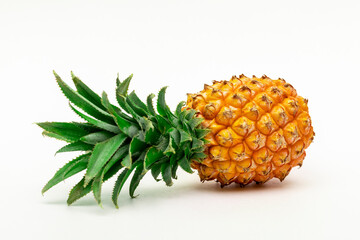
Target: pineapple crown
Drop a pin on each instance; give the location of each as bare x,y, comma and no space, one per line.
130,138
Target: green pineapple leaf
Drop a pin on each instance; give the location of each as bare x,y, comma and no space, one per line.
184,136
86,92
78,191
196,143
175,135
78,164
82,102
155,171
127,161
174,165
136,145
166,173
133,108
201,133
190,114
152,155
97,137
199,156
150,105
101,154
68,131
96,122
125,126
98,180
162,107
56,136
194,122
118,82
185,165
121,92
163,124
96,187
169,149
75,146
120,183
137,102
138,175
178,108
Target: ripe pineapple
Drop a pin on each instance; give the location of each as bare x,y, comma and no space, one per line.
260,129
242,130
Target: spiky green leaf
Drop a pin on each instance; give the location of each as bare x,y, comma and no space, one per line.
179,108
69,131
98,180
56,136
132,107
184,136
121,92
169,149
118,82
101,154
162,108
96,122
127,161
86,92
175,135
199,156
138,175
155,171
201,133
78,191
75,146
68,170
163,124
150,106
166,173
97,137
174,165
125,126
196,143
190,114
136,146
120,183
137,102
152,155
96,187
82,102
185,164
193,123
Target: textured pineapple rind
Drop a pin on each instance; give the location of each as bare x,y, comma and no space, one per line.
133,138
260,129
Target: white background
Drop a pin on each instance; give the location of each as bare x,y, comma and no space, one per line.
314,45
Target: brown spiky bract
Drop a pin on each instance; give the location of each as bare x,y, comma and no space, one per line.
260,129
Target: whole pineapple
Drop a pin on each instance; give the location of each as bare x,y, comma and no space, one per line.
242,130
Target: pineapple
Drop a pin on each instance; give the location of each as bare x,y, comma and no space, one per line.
260,129
242,130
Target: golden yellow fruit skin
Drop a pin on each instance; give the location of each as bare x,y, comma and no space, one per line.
260,129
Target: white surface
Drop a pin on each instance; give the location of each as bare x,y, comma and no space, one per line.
183,44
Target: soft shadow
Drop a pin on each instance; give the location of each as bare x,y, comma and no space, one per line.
252,187
156,194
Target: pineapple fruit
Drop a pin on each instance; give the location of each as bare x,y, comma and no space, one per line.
242,130
260,129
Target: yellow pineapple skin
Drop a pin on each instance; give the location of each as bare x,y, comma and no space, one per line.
260,129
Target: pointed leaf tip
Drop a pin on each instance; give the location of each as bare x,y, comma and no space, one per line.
86,181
